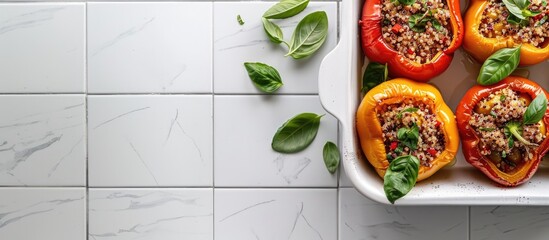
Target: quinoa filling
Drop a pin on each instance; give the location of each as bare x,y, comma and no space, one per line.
417,31
410,127
533,30
489,120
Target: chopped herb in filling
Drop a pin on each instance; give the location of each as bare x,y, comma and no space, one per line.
419,30
410,128
493,120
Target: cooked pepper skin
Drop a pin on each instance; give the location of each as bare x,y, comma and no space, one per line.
377,50
481,47
394,91
470,140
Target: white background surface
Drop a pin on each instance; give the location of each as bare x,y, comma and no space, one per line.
164,137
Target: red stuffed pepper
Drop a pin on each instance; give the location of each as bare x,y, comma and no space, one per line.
415,38
500,131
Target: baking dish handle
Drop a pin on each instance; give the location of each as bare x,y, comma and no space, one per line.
336,69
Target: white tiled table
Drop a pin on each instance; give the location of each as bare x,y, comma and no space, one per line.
136,120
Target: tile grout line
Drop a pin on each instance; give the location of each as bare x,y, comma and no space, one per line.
469,222
213,117
86,130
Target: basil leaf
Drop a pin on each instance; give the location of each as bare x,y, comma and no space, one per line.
401,177
536,110
409,137
436,25
410,110
544,3
297,133
513,8
502,97
486,129
239,19
515,129
522,4
273,31
264,77
331,156
511,142
499,65
309,35
417,22
406,2
286,9
374,75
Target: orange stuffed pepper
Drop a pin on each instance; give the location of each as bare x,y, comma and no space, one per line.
402,117
490,25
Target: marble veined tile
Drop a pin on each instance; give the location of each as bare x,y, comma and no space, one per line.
235,44
150,47
43,140
361,218
163,214
43,213
244,128
42,47
150,140
508,222
273,214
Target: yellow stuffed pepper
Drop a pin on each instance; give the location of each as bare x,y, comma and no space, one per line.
491,25
401,117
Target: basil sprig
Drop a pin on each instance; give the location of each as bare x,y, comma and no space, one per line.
309,35
297,133
519,11
286,9
331,156
409,137
400,177
375,74
264,77
534,113
499,65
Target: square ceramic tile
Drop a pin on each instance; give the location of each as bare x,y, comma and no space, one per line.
272,214
166,214
235,44
144,47
361,218
150,140
244,127
506,222
43,140
42,47
43,213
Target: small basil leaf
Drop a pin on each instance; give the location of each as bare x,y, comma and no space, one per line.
286,9
309,35
515,129
406,2
297,133
273,31
410,110
436,25
239,19
409,137
486,129
331,156
511,142
499,65
513,8
536,110
417,22
401,177
264,77
374,75
544,3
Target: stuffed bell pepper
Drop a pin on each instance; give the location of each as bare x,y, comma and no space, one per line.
401,117
415,38
491,25
503,128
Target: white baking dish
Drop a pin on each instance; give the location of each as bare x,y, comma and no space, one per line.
460,184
